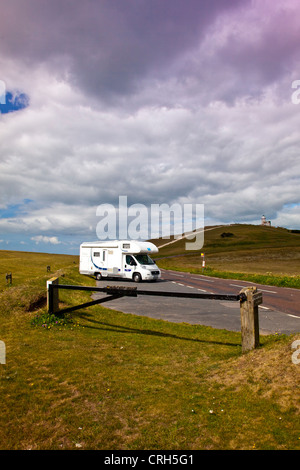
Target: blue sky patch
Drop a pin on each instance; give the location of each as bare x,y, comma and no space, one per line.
13,102
13,210
291,205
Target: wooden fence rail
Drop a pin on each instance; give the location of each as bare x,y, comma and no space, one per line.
249,299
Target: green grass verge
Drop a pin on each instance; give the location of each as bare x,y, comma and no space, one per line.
102,379
267,279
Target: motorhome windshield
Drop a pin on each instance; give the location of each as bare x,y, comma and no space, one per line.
144,259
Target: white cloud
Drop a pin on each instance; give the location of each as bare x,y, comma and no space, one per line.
238,161
43,239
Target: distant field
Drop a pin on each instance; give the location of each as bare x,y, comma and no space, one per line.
25,265
247,249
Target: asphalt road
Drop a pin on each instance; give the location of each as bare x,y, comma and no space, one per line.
279,313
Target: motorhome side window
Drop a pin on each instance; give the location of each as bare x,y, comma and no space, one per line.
103,256
130,260
96,253
126,246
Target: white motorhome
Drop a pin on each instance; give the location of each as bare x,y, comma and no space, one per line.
119,259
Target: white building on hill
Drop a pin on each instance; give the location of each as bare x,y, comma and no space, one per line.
265,222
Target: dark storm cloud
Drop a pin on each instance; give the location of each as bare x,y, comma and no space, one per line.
106,47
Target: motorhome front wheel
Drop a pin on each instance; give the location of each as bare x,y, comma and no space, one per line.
137,277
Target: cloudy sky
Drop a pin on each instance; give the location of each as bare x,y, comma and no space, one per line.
162,101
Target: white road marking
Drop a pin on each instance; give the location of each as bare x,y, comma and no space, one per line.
270,291
293,316
201,279
262,290
191,287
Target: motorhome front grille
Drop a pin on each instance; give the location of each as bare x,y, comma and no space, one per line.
154,273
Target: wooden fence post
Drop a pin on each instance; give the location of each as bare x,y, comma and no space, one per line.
52,295
249,318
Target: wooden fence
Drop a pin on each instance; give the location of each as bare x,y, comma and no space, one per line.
248,297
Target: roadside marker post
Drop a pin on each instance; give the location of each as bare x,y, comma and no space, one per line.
203,261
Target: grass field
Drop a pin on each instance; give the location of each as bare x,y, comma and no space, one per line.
101,379
266,255
29,266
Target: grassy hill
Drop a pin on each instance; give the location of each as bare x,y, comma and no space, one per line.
271,254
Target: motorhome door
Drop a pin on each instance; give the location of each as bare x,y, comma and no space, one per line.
104,263
129,265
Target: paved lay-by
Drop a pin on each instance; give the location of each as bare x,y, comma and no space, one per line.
279,312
